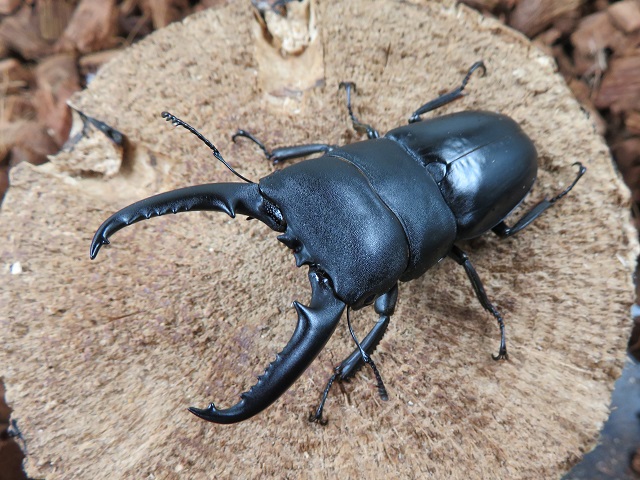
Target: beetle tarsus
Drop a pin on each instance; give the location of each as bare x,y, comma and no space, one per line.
382,390
317,416
502,352
478,65
449,97
281,154
358,126
265,150
366,358
502,355
504,231
463,259
581,171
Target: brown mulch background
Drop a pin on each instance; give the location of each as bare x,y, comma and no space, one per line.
50,49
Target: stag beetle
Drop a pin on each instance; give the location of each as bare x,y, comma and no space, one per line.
365,216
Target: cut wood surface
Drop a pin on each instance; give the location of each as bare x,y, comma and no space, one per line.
100,359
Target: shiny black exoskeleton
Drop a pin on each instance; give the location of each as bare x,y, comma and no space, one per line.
365,216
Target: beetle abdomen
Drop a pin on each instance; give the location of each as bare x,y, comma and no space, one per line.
483,163
335,220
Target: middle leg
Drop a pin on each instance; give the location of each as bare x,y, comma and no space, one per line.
281,154
449,97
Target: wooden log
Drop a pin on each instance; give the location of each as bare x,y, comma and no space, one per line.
100,359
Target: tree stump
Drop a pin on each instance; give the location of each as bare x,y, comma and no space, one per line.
100,359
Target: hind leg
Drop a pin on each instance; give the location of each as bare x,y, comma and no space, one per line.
462,259
504,231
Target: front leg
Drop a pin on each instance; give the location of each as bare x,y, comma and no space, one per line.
384,307
281,154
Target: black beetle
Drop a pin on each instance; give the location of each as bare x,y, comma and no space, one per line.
365,216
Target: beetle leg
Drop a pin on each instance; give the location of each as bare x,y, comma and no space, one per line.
366,358
449,97
281,154
358,126
504,231
461,257
315,325
384,307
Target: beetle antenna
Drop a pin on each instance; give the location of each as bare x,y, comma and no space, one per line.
382,391
216,153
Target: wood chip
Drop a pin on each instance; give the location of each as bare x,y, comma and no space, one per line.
4,181
9,6
625,15
57,79
19,32
620,89
93,27
533,16
594,34
53,17
14,77
9,450
627,155
17,107
27,141
632,122
163,12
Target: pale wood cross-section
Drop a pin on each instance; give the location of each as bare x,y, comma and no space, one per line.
100,359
